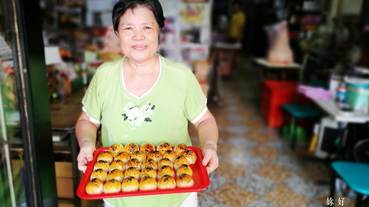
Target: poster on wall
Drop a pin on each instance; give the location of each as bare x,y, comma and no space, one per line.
194,53
195,34
195,13
195,23
188,27
169,32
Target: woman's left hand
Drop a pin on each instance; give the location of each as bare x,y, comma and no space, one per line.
210,160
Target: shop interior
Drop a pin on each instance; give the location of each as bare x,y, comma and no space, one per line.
290,95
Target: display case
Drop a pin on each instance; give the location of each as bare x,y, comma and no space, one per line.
27,174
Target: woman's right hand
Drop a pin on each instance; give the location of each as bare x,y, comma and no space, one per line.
85,155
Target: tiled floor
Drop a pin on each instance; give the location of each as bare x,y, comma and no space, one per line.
257,168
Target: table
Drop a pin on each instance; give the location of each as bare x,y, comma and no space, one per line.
330,107
265,63
278,71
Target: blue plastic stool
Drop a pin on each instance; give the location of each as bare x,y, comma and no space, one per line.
355,175
299,112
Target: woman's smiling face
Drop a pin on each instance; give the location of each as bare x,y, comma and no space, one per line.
138,33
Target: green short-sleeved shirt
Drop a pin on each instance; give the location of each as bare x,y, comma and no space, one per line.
161,114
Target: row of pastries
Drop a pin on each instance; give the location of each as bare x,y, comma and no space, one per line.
131,184
132,167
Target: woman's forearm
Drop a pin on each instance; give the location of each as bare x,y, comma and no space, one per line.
85,132
208,132
208,135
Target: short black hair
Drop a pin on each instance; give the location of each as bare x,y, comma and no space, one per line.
123,5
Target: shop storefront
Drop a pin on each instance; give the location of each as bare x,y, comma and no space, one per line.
50,50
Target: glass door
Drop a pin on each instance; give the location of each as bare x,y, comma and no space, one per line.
12,185
12,189
27,175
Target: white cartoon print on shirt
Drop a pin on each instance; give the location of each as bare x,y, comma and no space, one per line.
136,115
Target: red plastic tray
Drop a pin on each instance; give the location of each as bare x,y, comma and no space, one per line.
200,177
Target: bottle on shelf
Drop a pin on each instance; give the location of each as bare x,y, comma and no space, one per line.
334,81
341,95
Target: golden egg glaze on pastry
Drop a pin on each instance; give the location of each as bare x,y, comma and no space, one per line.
115,175
105,156
148,171
99,174
184,181
166,170
131,148
116,149
181,160
156,156
123,156
184,169
139,155
164,147
112,186
130,184
165,162
166,182
132,172
190,156
180,149
117,165
148,183
147,148
103,165
95,186
150,163
171,155
133,163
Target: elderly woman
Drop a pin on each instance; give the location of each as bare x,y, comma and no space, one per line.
144,98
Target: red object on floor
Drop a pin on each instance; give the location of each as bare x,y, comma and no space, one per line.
274,95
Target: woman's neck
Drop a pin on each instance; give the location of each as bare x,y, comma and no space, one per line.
143,68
